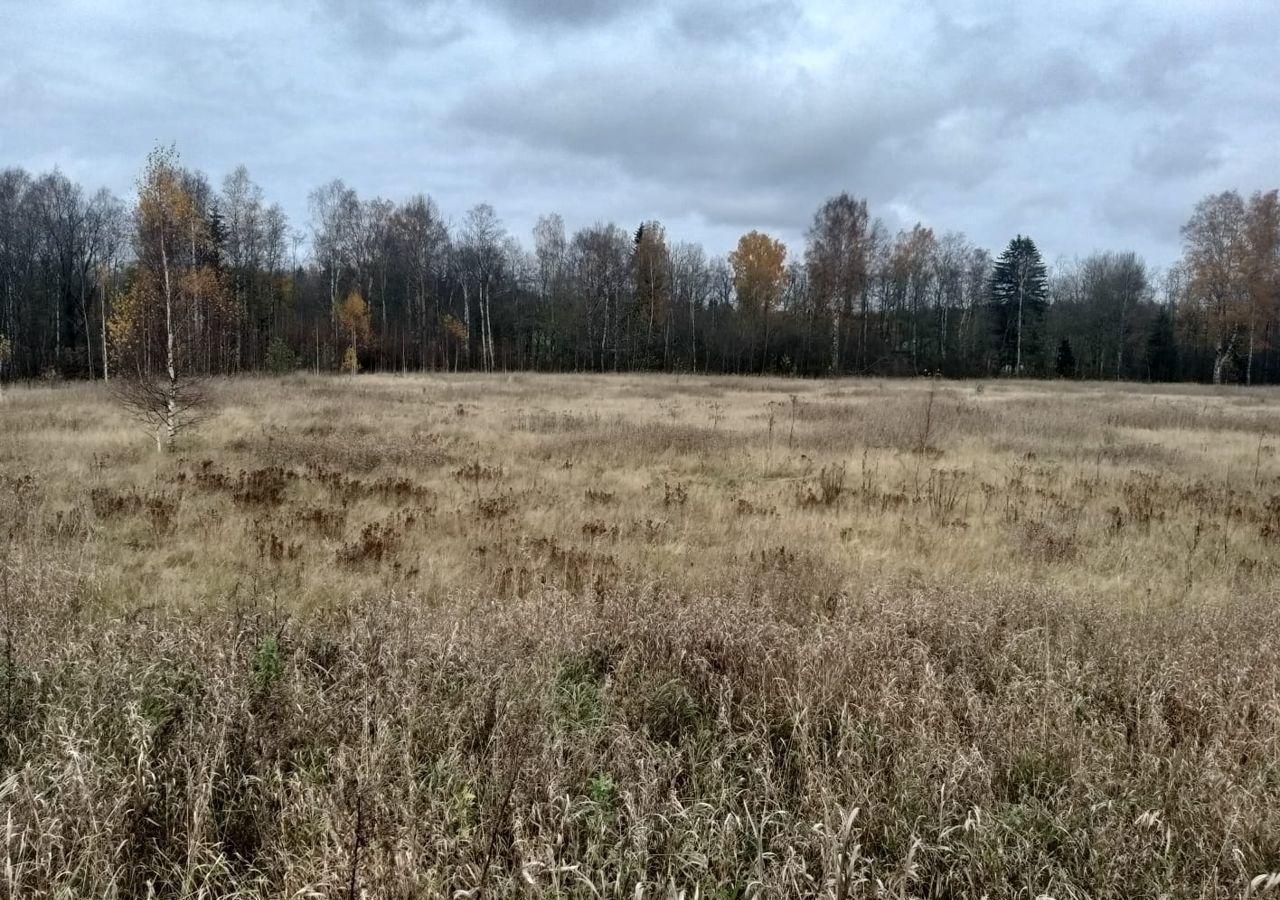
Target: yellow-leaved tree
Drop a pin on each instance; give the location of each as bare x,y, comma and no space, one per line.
172,308
759,276
353,318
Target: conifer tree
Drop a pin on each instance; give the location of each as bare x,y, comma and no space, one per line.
1018,291
1065,364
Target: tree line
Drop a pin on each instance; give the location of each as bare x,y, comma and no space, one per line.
216,280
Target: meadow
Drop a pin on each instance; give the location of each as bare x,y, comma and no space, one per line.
643,636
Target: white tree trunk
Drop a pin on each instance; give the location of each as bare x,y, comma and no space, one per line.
835,340
106,374
466,321
170,398
1248,368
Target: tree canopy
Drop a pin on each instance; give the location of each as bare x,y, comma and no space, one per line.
82,284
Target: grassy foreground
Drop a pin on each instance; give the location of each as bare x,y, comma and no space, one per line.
643,637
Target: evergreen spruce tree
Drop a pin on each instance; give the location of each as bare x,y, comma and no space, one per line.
1162,348
1018,290
1065,363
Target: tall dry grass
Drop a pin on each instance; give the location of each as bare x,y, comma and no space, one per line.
643,637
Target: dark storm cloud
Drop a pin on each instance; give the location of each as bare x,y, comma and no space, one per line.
1097,125
382,28
761,21
553,13
372,24
1178,151
1160,70
938,115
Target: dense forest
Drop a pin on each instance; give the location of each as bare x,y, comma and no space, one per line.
373,284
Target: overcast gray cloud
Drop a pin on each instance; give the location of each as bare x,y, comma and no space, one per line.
1096,125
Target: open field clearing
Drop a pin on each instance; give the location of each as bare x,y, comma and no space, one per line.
643,636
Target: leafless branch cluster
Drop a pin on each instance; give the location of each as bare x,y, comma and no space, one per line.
164,408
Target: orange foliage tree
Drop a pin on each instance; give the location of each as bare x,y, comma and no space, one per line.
1231,253
353,318
759,276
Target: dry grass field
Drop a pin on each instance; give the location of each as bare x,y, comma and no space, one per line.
518,636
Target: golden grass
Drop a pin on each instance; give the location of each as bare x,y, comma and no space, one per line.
643,636
508,484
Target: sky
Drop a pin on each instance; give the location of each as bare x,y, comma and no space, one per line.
1088,125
